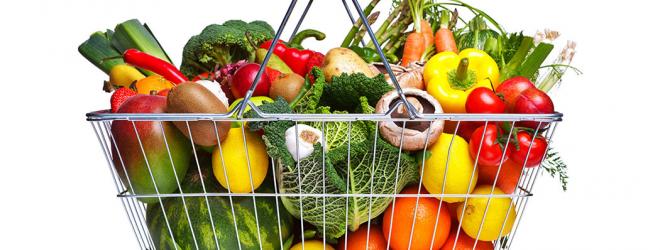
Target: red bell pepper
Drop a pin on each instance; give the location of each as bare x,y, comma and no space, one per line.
300,61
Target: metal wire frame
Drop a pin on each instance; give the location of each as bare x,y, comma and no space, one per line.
136,210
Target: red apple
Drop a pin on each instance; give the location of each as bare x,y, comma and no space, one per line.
242,80
511,89
533,101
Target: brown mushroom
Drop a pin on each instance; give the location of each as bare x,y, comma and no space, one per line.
415,132
410,77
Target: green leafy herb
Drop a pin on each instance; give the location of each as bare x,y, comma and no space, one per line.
554,165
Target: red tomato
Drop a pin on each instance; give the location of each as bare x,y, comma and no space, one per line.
466,129
484,100
512,88
492,152
538,148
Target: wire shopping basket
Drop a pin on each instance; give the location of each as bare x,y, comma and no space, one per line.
175,191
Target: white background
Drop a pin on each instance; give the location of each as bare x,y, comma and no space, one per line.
56,191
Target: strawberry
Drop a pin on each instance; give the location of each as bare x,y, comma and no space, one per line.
119,96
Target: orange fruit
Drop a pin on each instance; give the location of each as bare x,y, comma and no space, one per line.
508,179
401,218
155,82
465,242
358,240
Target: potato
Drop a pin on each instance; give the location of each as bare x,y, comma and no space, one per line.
343,60
191,97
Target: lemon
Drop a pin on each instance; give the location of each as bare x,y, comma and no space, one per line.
311,245
236,161
461,173
496,217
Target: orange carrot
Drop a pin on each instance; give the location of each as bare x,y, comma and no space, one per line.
420,38
444,37
413,49
427,31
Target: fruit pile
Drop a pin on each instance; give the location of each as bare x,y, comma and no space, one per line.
444,68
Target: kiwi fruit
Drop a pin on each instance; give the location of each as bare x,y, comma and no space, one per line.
191,97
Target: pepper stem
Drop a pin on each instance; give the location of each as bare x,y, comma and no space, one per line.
462,69
462,78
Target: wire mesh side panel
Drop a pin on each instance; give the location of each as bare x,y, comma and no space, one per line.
350,177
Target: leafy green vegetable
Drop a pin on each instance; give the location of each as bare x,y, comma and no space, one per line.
345,91
367,174
99,51
477,35
309,97
218,45
365,108
132,34
510,45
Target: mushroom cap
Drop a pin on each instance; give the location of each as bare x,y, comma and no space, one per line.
415,133
407,77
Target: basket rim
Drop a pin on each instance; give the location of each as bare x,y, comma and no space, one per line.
106,115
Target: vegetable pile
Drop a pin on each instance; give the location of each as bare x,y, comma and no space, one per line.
335,176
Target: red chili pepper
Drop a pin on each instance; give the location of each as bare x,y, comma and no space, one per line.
298,60
145,61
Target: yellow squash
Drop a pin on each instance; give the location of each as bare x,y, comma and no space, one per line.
451,77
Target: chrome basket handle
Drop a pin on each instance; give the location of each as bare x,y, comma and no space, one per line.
248,95
412,112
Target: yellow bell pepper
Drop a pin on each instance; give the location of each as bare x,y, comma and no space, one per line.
451,77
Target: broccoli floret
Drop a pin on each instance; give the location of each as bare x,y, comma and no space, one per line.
345,91
239,24
264,25
219,45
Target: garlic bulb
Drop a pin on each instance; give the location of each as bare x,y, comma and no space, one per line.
303,140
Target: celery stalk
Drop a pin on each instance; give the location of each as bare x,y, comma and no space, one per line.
511,67
535,59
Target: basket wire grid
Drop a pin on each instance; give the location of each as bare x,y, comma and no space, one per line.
136,211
